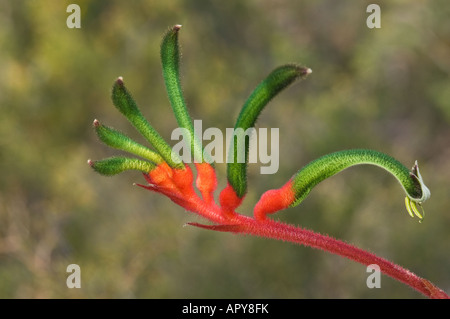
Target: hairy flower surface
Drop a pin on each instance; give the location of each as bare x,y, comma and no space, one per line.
166,174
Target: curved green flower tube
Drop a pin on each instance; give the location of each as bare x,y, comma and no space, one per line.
170,59
274,83
118,164
326,166
125,103
118,140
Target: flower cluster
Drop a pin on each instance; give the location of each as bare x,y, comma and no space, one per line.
167,174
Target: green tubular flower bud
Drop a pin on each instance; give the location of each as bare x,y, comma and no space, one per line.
275,82
326,166
170,58
116,139
125,103
115,165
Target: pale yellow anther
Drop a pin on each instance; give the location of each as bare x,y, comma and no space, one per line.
411,207
408,206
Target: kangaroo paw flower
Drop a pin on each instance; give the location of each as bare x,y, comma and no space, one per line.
166,174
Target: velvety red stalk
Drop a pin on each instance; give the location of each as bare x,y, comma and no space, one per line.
177,185
280,231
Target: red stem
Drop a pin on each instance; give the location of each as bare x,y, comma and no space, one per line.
177,185
281,231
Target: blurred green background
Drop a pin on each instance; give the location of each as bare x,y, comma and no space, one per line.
385,89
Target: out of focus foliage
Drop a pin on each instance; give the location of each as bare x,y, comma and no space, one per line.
385,89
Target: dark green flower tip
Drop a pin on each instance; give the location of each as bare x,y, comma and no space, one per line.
170,59
273,84
118,140
115,165
123,100
421,193
418,195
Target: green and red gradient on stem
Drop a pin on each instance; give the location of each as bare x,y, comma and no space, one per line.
166,174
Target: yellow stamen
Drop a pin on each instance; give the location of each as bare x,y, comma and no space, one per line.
415,210
408,206
411,207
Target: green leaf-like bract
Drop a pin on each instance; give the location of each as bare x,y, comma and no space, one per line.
328,165
170,58
118,140
125,103
275,82
115,165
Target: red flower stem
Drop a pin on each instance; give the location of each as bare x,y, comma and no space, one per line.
280,231
268,228
177,185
